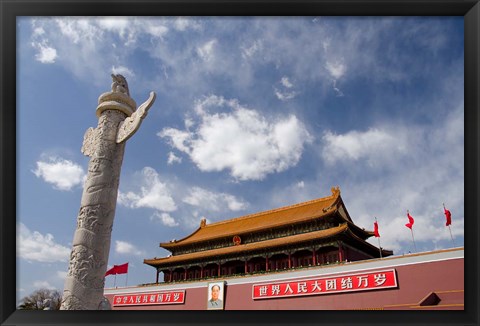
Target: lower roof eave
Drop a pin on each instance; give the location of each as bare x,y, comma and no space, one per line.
272,245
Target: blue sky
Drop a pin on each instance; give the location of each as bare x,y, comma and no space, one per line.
251,114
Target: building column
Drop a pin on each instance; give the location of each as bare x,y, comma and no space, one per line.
158,273
266,263
314,258
201,271
289,259
219,269
171,274
340,252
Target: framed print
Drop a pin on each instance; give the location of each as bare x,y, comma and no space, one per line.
216,296
278,136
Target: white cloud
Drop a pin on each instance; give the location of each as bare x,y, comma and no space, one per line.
285,90
76,40
250,51
208,200
34,246
172,158
284,96
62,274
181,23
126,72
286,82
79,30
116,24
326,45
372,145
178,139
157,30
153,193
241,140
43,285
165,218
61,173
184,23
336,89
37,31
336,69
46,54
206,51
163,198
123,247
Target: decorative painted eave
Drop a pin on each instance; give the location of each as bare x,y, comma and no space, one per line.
249,247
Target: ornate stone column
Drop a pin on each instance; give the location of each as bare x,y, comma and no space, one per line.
118,120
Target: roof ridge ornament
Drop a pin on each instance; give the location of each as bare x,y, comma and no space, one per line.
335,191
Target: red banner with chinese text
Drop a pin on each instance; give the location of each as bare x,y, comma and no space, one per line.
383,279
152,298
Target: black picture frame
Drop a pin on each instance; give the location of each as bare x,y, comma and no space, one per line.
10,10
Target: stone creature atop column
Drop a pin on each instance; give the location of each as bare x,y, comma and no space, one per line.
118,119
119,84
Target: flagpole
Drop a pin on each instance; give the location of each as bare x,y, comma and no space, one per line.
379,247
126,280
413,238
451,236
115,281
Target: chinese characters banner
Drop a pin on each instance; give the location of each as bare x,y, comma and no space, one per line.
152,298
346,283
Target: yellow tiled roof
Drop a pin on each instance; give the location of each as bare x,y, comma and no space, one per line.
245,248
260,221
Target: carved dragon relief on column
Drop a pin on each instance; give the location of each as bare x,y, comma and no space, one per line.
118,120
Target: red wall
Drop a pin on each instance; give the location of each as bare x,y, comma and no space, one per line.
415,281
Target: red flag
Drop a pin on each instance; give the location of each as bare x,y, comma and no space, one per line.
111,271
117,269
410,221
448,216
122,269
375,229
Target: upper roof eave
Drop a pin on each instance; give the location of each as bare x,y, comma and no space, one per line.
318,207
